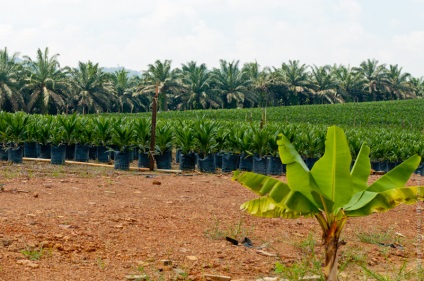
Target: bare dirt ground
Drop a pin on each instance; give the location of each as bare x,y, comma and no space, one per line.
88,223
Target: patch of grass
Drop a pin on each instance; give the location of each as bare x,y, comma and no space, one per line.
101,263
351,257
33,253
237,230
379,238
397,275
308,264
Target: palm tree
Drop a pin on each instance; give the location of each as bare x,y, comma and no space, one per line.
46,83
417,85
259,83
349,83
232,84
322,85
160,73
397,83
10,97
124,88
196,80
93,90
373,73
295,77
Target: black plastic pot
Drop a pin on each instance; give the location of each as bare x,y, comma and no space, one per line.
103,155
274,166
177,155
259,165
3,154
164,161
207,164
310,162
92,152
70,152
420,169
122,160
30,149
58,154
384,166
187,161
135,153
375,165
218,159
246,162
44,151
230,162
82,152
15,155
143,159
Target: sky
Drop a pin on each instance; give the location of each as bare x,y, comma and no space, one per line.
136,33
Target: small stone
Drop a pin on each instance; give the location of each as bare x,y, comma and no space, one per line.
156,182
311,278
58,247
268,279
65,226
165,262
211,277
192,258
35,195
6,242
27,263
261,252
119,226
135,277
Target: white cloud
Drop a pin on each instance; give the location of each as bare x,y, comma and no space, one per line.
134,33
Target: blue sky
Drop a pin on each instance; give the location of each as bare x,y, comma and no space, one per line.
135,33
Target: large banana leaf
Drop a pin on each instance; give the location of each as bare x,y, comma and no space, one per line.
375,202
276,192
332,171
264,207
361,169
397,177
297,173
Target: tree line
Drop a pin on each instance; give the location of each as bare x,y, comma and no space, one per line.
41,85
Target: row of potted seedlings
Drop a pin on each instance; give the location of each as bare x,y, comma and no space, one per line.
201,144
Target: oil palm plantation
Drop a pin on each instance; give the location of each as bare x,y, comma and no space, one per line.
323,86
46,82
349,83
373,73
232,85
93,91
10,72
397,83
259,83
417,85
124,87
160,73
295,78
197,83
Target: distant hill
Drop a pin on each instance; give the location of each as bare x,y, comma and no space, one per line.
113,69
105,69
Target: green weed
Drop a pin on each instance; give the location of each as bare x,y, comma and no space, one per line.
237,231
32,253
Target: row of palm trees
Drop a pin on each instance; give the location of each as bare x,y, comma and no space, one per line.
42,86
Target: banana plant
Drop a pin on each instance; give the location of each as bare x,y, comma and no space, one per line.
330,191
